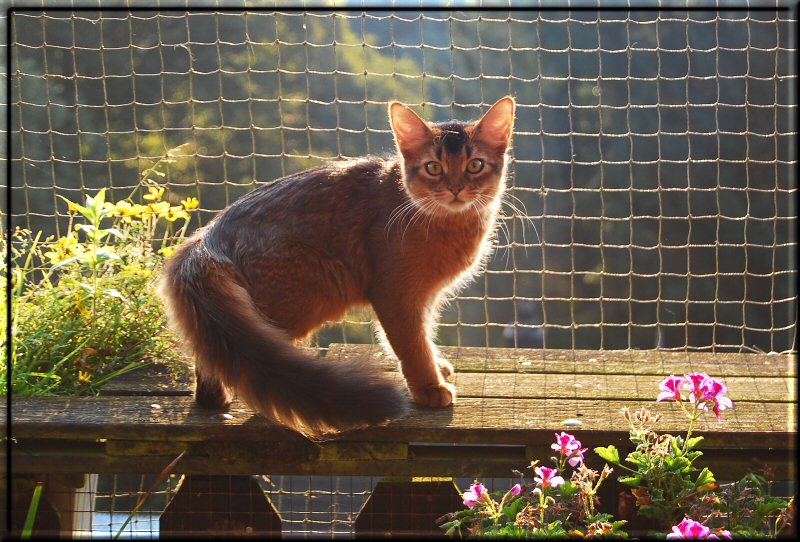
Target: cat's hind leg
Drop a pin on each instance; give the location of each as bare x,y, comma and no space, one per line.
210,392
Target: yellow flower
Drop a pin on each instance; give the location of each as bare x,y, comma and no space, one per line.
190,203
154,193
64,247
137,210
175,213
84,376
122,208
167,252
127,210
160,208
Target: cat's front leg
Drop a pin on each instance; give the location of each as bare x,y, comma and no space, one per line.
445,367
406,328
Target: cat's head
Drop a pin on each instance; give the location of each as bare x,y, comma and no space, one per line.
454,165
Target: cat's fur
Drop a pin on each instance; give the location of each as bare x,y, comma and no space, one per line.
284,259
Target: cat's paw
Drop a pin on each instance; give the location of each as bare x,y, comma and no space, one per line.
445,367
438,396
212,395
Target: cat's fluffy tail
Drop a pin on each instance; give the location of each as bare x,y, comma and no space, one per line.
236,348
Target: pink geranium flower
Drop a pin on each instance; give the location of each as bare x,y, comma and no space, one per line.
516,490
705,391
689,529
670,389
694,385
475,493
547,477
570,447
715,392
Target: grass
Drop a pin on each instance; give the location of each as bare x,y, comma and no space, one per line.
84,308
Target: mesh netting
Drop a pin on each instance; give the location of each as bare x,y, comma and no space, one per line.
652,187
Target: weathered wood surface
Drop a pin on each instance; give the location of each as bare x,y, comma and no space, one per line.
607,362
512,400
473,420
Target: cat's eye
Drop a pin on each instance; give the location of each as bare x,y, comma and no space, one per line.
433,168
475,166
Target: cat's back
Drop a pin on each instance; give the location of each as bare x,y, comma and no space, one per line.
329,205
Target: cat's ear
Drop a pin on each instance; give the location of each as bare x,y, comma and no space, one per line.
495,127
410,131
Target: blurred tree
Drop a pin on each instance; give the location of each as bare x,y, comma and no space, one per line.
651,154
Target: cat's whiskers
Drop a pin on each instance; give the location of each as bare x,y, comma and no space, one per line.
522,215
484,202
419,206
398,214
431,216
428,204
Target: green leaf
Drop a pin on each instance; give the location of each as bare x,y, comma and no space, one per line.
692,442
88,228
104,254
637,458
46,375
691,456
99,200
705,477
677,464
115,232
676,445
633,481
773,504
83,258
113,292
609,453
514,507
81,209
568,489
88,287
27,528
143,499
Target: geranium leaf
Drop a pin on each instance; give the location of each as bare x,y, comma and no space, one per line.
692,442
633,481
609,453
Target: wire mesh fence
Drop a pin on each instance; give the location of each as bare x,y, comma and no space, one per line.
652,185
652,168
109,506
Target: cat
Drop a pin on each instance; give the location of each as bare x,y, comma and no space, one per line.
397,233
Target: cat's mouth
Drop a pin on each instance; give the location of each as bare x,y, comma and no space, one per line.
457,204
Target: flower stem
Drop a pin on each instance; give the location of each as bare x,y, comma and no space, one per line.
692,420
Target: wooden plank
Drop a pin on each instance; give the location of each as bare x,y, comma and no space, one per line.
610,362
473,420
639,388
529,385
153,379
558,373
443,460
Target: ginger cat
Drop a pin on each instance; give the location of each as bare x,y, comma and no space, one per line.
397,233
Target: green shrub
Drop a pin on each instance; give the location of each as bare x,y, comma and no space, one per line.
84,307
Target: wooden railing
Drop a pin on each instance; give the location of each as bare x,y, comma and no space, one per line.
510,404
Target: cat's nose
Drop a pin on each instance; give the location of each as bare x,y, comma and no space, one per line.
455,188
